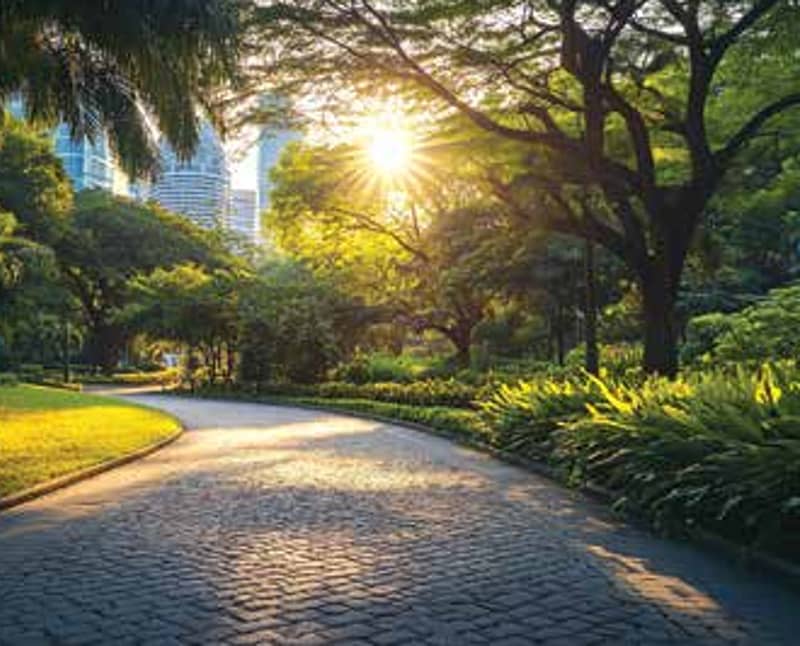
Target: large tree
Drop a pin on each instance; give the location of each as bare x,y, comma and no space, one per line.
616,104
112,241
409,256
100,65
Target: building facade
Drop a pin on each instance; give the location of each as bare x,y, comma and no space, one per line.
88,164
244,215
199,187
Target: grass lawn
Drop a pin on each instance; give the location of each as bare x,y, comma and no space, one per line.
46,433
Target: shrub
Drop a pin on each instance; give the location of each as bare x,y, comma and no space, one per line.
766,331
162,377
718,452
31,372
430,392
702,333
8,379
521,418
364,368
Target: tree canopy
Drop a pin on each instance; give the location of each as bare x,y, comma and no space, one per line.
626,115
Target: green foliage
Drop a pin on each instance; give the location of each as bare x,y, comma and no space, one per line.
195,307
702,333
110,244
379,367
8,379
293,325
617,359
161,377
766,331
165,57
522,417
31,372
714,451
33,185
769,330
428,392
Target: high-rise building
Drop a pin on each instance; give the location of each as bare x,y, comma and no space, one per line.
244,215
270,147
198,187
88,164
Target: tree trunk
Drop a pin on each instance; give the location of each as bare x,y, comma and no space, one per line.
462,343
590,312
561,341
659,322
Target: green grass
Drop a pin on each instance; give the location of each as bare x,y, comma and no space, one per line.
46,433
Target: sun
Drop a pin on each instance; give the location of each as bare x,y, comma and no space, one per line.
389,151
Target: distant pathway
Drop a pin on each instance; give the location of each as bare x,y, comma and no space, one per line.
273,525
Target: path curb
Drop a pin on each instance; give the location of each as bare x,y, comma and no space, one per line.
37,491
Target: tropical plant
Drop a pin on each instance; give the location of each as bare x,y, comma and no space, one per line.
715,451
521,418
101,67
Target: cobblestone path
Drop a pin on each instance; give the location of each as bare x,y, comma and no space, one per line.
272,525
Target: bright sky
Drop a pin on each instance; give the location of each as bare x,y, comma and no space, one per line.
244,173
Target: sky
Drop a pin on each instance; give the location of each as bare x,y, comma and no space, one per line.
244,172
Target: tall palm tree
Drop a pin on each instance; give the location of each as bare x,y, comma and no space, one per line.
106,65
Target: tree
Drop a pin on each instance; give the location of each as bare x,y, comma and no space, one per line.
100,66
407,256
34,188
194,307
293,325
615,104
35,201
111,241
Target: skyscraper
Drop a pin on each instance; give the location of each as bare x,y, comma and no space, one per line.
244,215
89,164
198,187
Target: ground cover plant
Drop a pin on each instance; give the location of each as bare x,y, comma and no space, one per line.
46,433
429,392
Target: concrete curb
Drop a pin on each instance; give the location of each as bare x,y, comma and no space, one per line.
737,554
37,491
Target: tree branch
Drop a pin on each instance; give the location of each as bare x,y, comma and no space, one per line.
752,128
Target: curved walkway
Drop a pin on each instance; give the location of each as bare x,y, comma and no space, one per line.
273,525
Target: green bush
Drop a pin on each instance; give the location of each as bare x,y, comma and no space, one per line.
718,452
367,368
8,379
702,333
766,331
162,377
521,418
31,372
430,392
